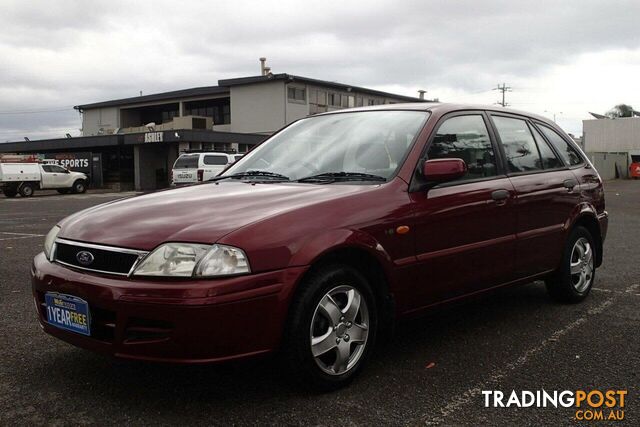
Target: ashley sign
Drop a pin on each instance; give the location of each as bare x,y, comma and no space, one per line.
153,137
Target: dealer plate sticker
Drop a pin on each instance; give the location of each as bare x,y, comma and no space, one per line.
68,312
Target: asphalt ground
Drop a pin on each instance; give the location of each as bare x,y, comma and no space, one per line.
432,372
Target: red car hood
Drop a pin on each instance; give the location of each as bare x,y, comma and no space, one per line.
201,213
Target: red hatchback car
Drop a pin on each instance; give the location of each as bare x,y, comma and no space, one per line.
320,238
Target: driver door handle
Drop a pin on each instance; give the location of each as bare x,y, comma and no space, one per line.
569,184
500,195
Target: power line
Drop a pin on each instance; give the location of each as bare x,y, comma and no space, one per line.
37,111
504,88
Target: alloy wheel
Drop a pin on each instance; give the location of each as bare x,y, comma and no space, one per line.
339,330
581,267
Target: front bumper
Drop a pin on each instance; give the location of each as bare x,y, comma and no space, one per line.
172,321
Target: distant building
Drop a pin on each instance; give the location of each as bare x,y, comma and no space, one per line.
136,140
612,144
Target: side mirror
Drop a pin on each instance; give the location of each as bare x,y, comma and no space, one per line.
442,170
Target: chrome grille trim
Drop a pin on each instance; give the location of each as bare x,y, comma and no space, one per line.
102,247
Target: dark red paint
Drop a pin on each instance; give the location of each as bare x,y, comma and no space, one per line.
461,242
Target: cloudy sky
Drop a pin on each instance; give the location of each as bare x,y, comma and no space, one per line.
566,57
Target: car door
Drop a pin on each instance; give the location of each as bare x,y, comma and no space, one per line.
465,229
49,177
547,192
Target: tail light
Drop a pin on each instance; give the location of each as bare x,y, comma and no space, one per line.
200,174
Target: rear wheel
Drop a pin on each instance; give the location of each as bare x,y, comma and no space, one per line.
332,328
572,282
79,187
26,190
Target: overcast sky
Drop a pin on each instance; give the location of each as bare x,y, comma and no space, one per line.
559,56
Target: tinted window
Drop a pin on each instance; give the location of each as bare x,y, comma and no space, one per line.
187,161
466,138
567,152
215,160
58,169
237,157
519,145
47,168
549,159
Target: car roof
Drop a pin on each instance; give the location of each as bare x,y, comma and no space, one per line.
217,153
442,108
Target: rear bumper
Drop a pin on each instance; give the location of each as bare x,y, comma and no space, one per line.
179,322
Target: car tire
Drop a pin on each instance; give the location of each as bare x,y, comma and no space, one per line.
26,190
331,328
63,190
574,278
79,187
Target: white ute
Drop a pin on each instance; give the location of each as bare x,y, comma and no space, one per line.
25,178
190,168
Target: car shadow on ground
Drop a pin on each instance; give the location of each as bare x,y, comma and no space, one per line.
413,343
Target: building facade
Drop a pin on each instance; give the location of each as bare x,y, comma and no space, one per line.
137,140
612,145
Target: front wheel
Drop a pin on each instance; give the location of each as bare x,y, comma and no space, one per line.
79,187
574,278
332,328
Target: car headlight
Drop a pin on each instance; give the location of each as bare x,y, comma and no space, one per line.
193,260
49,242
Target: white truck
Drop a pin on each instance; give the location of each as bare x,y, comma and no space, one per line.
25,178
190,168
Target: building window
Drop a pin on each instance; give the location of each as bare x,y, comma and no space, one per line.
371,102
334,99
359,101
296,94
218,109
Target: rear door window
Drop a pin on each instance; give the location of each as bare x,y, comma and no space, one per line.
187,161
466,138
567,152
519,146
47,168
215,160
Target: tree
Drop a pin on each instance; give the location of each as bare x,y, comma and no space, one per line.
620,110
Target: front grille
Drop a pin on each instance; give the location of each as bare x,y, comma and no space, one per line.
103,259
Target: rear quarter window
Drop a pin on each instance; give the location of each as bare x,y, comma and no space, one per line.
187,161
215,160
567,152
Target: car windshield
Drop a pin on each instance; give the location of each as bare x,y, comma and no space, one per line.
364,146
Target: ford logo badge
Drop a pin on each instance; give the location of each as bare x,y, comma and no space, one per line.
84,257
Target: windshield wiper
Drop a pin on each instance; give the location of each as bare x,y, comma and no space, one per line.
253,174
342,176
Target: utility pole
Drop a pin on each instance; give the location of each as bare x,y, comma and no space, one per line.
504,88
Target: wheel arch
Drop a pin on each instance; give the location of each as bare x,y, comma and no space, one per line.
589,220
371,267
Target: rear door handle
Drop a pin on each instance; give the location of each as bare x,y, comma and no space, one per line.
569,184
499,195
